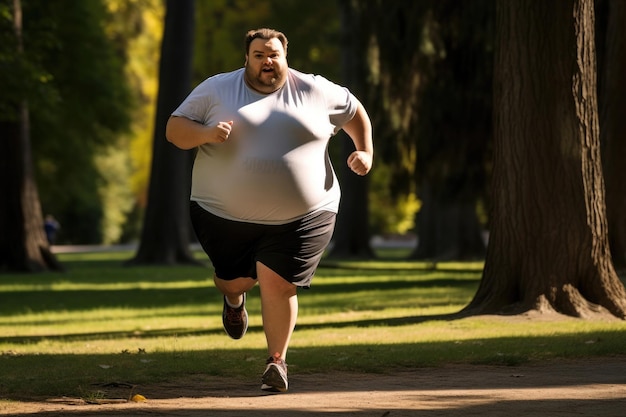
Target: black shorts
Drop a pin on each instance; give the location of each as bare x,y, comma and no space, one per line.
292,250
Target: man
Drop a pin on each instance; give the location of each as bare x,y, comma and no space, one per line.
264,194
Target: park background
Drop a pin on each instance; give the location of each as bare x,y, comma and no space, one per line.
499,119
489,118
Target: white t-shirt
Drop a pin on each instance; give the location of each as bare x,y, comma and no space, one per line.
274,168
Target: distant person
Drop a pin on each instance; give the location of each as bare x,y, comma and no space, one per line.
51,227
264,194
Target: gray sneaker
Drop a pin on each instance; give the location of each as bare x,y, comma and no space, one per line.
274,378
235,320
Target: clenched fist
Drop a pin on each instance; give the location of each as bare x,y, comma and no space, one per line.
360,162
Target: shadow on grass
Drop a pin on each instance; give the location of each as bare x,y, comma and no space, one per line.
40,299
183,332
43,300
139,367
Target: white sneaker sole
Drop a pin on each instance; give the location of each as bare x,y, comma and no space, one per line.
274,379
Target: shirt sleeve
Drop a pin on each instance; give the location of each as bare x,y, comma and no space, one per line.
340,102
197,104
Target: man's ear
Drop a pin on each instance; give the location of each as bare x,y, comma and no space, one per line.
246,61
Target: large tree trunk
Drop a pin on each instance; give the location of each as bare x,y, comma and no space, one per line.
548,247
613,129
454,130
166,232
23,245
448,230
351,237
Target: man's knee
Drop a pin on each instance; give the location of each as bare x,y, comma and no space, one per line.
234,286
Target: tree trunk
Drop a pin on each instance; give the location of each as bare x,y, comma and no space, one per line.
351,237
548,247
613,130
454,130
23,245
448,230
165,237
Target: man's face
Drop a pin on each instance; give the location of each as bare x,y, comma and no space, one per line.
266,65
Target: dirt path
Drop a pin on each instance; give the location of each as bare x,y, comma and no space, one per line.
594,387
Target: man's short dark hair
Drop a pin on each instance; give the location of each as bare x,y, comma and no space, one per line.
265,33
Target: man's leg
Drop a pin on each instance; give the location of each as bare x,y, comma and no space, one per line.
234,314
233,289
279,308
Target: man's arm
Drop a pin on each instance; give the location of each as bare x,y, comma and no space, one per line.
360,131
187,134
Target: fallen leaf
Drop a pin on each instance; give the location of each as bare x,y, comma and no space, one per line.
138,398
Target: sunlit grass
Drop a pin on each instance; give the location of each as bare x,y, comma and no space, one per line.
102,321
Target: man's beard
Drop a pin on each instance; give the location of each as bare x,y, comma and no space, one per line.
259,80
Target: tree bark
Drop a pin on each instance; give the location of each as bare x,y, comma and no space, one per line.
454,130
166,231
613,129
548,247
351,238
23,245
448,230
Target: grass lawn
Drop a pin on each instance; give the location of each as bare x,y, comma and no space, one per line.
99,322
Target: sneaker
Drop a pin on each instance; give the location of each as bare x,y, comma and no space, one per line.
274,378
235,320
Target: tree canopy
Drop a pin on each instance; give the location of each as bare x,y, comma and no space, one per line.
73,79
